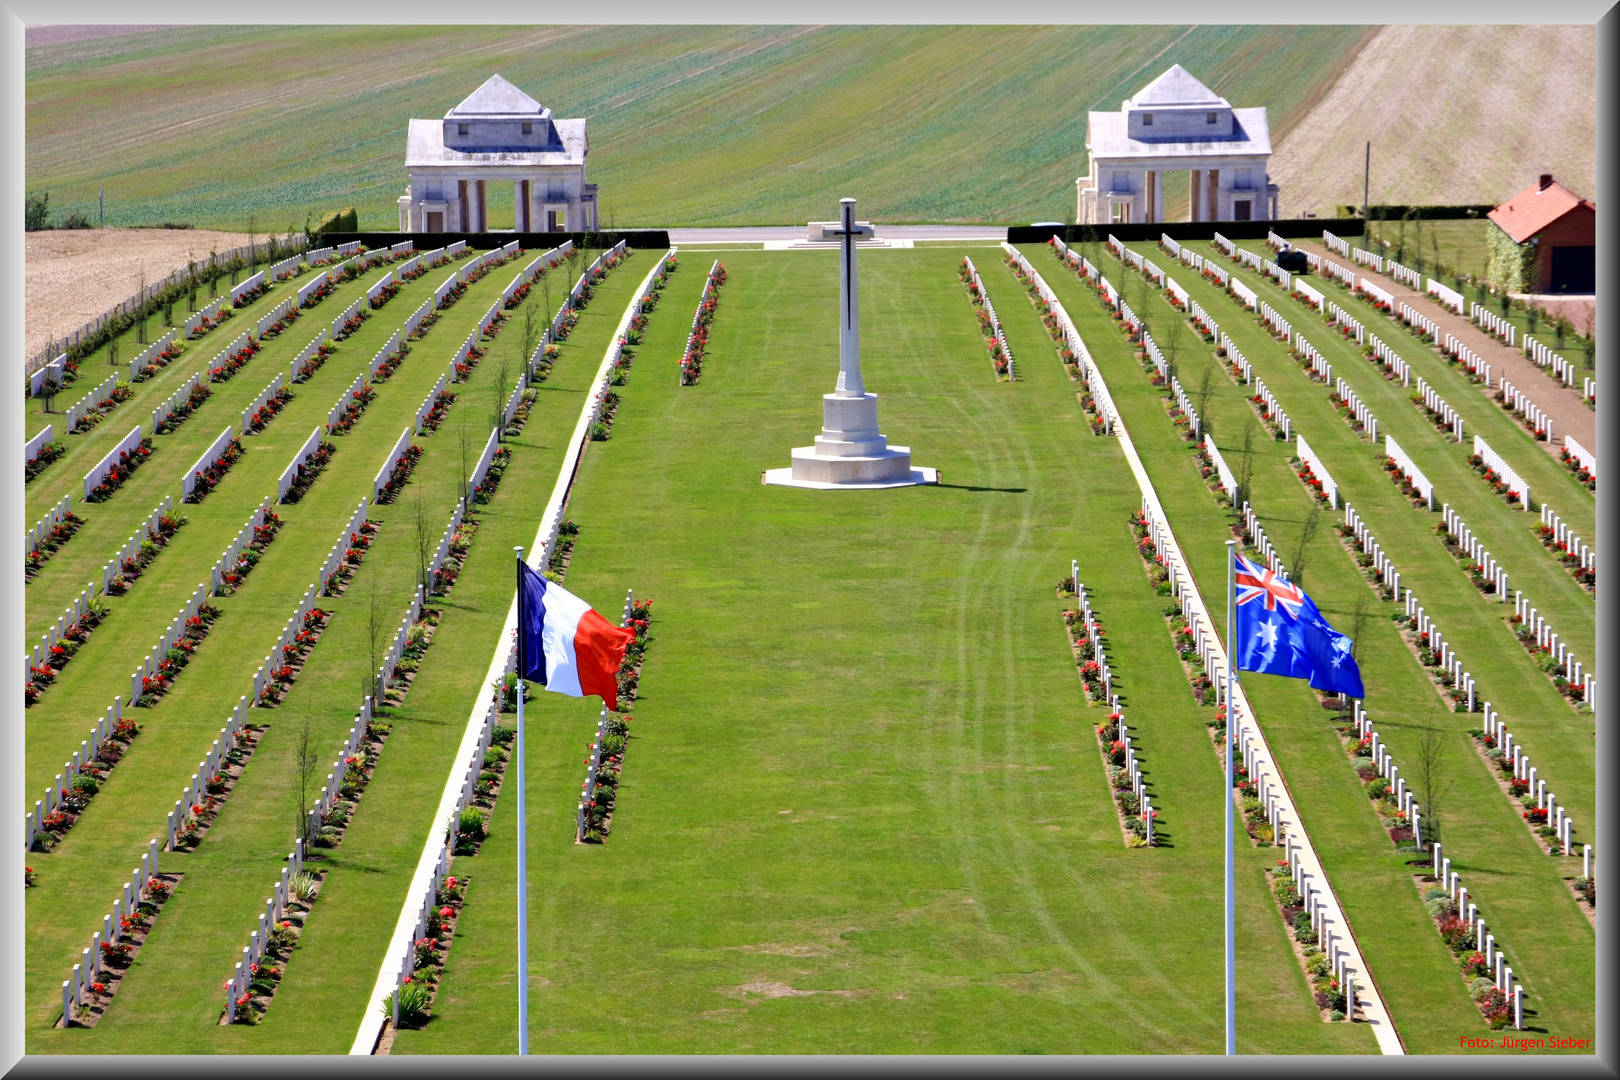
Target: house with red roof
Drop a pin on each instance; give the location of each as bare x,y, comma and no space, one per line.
1544,241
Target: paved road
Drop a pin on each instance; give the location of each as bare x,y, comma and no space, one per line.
800,232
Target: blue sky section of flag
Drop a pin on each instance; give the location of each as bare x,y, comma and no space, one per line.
1281,632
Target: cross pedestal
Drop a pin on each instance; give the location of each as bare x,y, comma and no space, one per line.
850,452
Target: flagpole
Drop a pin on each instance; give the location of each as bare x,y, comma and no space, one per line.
522,852
1231,732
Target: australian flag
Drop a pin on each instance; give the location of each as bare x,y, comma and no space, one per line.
1280,632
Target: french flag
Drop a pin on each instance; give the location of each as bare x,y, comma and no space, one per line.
563,644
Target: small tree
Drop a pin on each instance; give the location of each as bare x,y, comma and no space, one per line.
140,311
376,632
503,383
1432,780
1174,331
1307,533
1245,471
213,273
1589,346
1205,392
423,535
1400,238
1532,316
1360,612
48,389
306,767
112,352
253,247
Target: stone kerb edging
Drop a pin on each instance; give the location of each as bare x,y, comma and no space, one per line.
1244,728
1071,336
434,859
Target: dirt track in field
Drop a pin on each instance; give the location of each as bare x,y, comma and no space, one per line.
73,275
1455,114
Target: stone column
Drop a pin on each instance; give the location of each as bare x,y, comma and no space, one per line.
1150,196
1212,194
1195,195
520,205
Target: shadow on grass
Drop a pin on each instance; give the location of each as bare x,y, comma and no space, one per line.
969,487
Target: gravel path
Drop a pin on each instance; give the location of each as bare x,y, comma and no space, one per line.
73,275
1569,414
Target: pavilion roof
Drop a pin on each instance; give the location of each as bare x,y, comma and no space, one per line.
1177,86
497,98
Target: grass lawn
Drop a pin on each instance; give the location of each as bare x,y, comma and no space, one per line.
1524,899
133,803
863,809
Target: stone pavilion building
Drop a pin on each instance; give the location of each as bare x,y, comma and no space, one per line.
1176,123
497,133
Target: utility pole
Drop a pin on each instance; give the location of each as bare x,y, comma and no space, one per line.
1366,173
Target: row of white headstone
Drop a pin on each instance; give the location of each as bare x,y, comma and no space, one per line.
409,268
550,260
1528,412
263,399
127,445
374,295
1088,620
88,969
1273,409
1186,406
973,271
172,404
242,346
1103,401
1403,461
593,763
1358,408
53,517
52,371
243,293
57,631
1431,640
1206,321
1277,274
1317,362
148,531
1382,565
208,769
1468,358
1280,326
342,403
1515,483
193,477
426,407
1547,639
101,395
1229,248
317,288
1334,243
334,558
1459,531
150,354
1309,296
1245,257
152,663
1583,457
1222,472
1404,274
350,312
34,447
1412,317
1342,274
1308,456
1152,271
1390,360
1235,357
285,269
209,313
487,322
1493,324
1261,543
1563,534
100,732
289,475
1519,762
389,351
233,551
1542,356
402,637
1185,593
295,366
487,457
275,315
1447,296
1337,316
264,676
1449,416
275,908
395,457
417,316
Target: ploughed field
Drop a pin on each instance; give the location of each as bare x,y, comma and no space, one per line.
863,805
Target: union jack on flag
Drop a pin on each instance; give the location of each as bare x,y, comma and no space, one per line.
1280,632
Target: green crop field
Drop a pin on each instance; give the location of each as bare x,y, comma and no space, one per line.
863,805
689,125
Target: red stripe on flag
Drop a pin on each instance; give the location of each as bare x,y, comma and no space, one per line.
599,649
